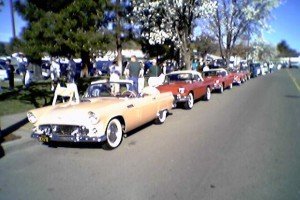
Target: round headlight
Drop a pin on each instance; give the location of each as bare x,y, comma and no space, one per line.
93,118
31,117
181,90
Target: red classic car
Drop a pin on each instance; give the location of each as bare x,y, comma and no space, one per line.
246,72
221,79
239,77
186,86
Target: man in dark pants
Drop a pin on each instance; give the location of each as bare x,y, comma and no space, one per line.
10,73
134,68
71,70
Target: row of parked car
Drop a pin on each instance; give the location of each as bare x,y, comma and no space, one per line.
110,109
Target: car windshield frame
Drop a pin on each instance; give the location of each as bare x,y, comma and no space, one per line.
179,77
108,89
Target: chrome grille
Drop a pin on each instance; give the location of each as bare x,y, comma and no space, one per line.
64,130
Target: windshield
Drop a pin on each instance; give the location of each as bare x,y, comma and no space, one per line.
214,73
210,73
108,89
179,77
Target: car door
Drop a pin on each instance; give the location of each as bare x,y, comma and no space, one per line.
147,108
199,85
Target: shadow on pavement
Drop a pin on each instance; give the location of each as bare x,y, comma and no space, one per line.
293,96
13,127
2,153
5,132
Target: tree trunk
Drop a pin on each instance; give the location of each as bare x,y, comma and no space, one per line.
187,60
118,39
186,54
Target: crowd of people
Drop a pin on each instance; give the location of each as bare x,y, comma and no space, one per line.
151,72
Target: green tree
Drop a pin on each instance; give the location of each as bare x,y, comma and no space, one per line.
172,20
2,49
118,15
234,20
205,44
284,50
63,28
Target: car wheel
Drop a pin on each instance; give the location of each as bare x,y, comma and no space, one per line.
221,89
114,134
208,94
161,118
239,82
190,102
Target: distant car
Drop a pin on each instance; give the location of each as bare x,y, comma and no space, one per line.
255,69
218,63
246,71
105,113
265,69
3,73
186,86
2,62
238,76
295,65
221,79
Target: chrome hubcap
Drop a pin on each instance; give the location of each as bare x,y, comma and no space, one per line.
113,129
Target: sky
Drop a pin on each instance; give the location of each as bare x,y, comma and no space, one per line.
285,24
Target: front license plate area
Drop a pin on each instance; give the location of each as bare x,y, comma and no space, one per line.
44,138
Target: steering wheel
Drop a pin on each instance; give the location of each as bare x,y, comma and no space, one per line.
95,92
129,94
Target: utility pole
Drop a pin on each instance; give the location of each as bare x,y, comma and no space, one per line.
12,19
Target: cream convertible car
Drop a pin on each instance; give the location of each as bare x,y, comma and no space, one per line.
105,112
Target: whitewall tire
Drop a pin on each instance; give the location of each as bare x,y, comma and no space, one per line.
208,94
161,118
190,102
114,134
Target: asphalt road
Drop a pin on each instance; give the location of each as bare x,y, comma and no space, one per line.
243,144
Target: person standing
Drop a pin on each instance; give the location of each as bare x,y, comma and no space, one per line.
22,65
195,65
55,73
164,68
205,68
10,73
134,70
154,70
115,72
71,70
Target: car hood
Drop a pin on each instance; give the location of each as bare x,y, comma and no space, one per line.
172,87
212,78
68,113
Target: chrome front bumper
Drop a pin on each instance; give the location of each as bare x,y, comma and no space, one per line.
66,138
179,98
